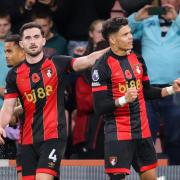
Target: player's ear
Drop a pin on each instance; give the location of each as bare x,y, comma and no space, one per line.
112,39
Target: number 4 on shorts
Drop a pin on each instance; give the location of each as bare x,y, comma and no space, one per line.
52,155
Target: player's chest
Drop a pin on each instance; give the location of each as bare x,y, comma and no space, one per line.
125,74
36,78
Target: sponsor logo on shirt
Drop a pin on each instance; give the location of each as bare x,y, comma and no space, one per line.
39,93
123,87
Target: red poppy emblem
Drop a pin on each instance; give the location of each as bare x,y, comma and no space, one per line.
35,78
128,74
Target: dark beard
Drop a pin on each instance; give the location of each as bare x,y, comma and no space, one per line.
34,55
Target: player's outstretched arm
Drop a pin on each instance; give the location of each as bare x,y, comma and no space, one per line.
88,61
6,114
171,89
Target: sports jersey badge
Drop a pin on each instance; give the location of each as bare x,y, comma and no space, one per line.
95,75
35,78
49,73
113,160
138,69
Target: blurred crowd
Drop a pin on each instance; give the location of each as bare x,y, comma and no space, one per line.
74,28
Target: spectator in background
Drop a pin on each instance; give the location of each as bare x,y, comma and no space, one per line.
160,37
88,133
5,29
13,9
74,18
96,41
131,6
21,10
53,39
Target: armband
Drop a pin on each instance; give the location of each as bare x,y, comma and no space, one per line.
170,90
122,101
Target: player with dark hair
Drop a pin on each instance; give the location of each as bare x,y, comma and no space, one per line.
14,55
39,83
120,84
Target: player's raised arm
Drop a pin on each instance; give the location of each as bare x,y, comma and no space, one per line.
88,61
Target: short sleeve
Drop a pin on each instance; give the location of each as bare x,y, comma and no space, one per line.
103,103
64,63
99,78
11,87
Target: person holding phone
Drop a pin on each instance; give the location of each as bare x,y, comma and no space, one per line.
160,39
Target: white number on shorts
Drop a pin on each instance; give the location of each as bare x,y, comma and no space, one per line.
52,155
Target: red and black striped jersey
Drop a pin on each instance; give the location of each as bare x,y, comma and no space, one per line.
112,75
40,88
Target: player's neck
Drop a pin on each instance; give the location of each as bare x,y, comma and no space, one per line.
34,59
119,52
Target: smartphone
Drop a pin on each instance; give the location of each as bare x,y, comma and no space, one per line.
156,10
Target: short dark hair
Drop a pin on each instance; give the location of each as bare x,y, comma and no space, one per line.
5,14
30,25
42,14
13,38
113,25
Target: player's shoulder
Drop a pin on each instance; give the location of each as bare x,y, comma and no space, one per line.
137,56
61,58
102,61
14,69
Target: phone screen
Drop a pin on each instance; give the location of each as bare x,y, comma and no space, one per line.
156,10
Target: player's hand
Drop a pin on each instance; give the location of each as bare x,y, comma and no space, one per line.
131,95
2,135
143,13
176,85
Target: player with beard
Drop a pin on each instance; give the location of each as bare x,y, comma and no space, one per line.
39,83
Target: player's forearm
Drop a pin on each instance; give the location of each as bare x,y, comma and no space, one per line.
5,116
88,61
102,103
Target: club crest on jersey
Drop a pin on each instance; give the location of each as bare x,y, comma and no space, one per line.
49,72
138,69
35,77
128,74
95,75
113,160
